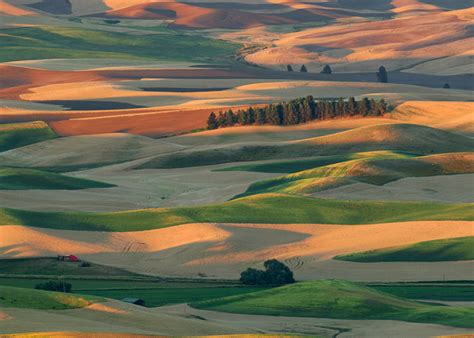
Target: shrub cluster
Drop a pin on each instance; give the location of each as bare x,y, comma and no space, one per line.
275,273
298,111
54,285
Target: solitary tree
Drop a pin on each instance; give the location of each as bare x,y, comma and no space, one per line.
382,75
275,273
303,69
446,86
289,68
278,273
212,122
253,277
326,70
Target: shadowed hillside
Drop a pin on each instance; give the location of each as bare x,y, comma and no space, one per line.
396,137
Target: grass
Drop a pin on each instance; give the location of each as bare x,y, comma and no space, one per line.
23,178
154,293
372,170
54,267
454,249
42,300
265,208
454,293
50,42
15,135
338,299
293,166
167,296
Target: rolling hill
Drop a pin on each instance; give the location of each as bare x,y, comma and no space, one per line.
263,208
17,135
395,137
338,299
372,170
25,179
43,300
454,249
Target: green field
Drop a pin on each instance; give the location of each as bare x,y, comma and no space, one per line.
42,300
265,208
154,293
16,135
54,267
50,42
23,178
166,296
372,170
454,249
339,299
444,292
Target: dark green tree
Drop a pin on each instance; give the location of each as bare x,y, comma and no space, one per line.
212,122
281,113
253,277
272,115
383,107
251,115
244,117
222,120
260,116
382,75
352,106
277,273
374,108
293,114
340,107
364,107
303,69
289,68
307,113
446,86
326,70
229,118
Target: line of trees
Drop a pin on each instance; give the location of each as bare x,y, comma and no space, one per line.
326,70
300,110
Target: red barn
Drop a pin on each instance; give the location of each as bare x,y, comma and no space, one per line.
72,258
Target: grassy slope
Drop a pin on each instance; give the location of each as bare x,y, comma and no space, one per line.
339,299
293,166
408,138
373,170
44,300
459,293
454,249
49,42
22,178
166,296
265,208
21,134
54,267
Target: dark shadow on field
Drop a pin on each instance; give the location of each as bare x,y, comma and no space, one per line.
61,7
91,105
